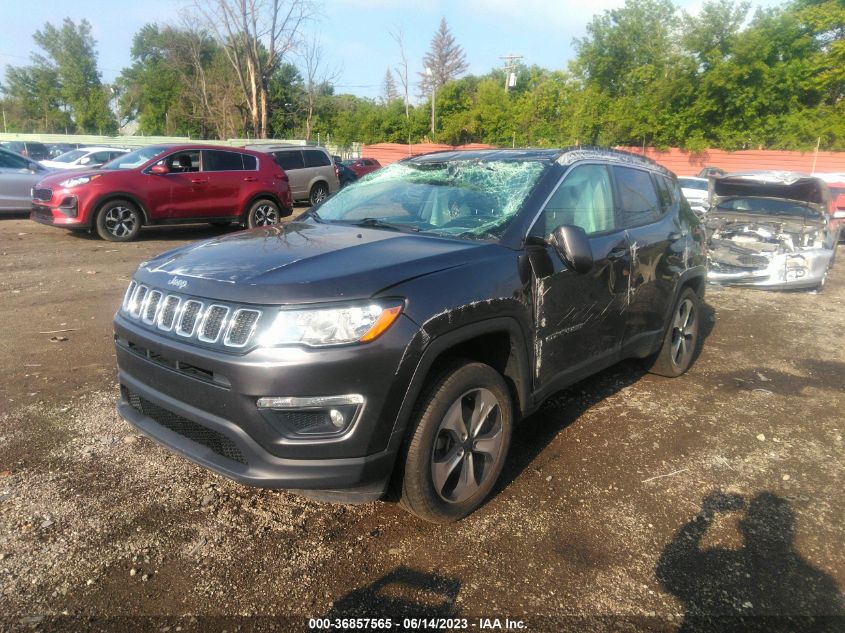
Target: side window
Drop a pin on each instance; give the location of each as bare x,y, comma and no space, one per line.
638,203
585,199
13,161
664,192
113,155
183,162
289,160
250,162
223,161
315,158
99,157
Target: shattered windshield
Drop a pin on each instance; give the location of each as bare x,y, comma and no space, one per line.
470,199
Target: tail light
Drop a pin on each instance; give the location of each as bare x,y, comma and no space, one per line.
24,152
336,172
280,175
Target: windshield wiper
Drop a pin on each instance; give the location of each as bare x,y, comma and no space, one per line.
381,224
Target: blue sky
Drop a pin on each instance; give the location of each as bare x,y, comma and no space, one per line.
354,33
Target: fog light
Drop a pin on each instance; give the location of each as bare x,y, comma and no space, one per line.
337,418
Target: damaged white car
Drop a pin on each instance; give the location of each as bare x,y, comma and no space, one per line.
770,230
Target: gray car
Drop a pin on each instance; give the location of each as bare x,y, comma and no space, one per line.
310,170
18,175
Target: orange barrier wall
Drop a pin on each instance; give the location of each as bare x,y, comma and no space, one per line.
679,161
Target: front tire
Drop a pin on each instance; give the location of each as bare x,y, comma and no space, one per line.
119,221
459,443
681,342
319,192
263,213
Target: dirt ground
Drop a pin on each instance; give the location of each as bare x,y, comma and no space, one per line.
630,502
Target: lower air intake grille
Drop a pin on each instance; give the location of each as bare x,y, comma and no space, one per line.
304,421
217,442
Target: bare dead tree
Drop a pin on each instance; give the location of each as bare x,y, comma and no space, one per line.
256,35
318,78
398,36
445,58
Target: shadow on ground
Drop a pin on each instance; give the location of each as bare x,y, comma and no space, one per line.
402,593
534,433
763,586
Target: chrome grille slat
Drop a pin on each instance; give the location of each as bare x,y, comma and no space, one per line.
188,317
217,324
168,312
148,314
138,301
241,327
212,323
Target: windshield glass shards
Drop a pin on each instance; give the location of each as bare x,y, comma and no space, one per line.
467,199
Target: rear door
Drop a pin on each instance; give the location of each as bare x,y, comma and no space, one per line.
225,172
291,161
318,166
579,321
644,210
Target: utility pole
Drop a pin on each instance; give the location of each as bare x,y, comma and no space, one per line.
430,72
510,67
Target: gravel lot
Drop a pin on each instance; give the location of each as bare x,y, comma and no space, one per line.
630,502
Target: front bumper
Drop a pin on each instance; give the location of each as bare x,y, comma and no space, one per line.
66,215
205,408
802,269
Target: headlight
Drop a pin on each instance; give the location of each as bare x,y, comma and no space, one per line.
338,325
79,180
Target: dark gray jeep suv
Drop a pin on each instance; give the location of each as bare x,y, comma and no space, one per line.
399,329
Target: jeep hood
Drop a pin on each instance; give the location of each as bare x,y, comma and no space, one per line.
303,262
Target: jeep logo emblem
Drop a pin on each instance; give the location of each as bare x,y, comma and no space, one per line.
179,283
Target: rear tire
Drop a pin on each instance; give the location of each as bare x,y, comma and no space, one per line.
319,192
459,441
119,221
681,342
263,213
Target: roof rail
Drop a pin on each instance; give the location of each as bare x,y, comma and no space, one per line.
575,153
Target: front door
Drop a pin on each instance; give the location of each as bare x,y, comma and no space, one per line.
188,186
291,161
579,318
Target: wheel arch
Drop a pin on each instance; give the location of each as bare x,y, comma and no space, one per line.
263,195
498,342
118,195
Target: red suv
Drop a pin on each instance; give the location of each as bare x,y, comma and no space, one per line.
363,166
166,184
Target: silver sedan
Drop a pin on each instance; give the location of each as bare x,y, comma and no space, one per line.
18,175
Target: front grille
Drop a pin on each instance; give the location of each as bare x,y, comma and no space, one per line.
754,261
209,323
168,312
45,195
189,318
241,327
151,307
212,323
189,429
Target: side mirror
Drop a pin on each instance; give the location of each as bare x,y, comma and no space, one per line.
572,245
85,160
159,168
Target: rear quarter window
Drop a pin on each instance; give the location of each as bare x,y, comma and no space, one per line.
289,160
316,158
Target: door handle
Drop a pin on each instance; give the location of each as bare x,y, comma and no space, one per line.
250,179
199,181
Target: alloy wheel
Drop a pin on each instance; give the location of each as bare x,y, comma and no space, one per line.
684,331
468,445
120,221
265,215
